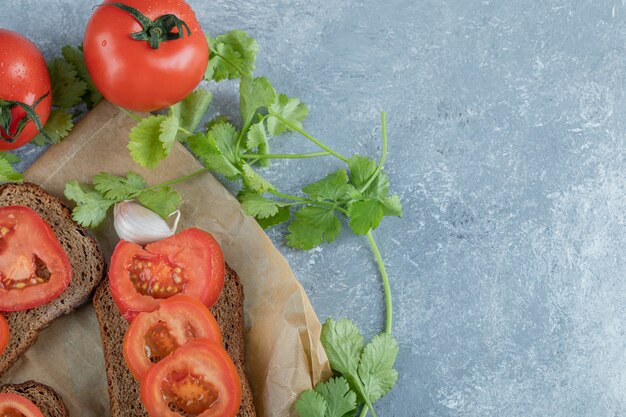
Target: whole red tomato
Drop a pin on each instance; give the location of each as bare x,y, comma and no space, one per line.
24,78
147,54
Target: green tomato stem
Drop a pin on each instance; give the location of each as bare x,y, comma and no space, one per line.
308,136
284,155
387,287
383,156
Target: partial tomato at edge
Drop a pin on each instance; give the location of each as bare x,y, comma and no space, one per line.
16,405
154,335
23,77
128,72
190,262
4,334
34,268
199,379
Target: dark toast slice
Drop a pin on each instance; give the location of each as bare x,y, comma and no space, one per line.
124,389
44,397
88,267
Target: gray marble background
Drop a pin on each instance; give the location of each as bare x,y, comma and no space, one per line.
507,131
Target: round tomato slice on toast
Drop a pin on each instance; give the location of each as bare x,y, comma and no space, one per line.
13,405
4,334
198,379
154,335
190,262
34,269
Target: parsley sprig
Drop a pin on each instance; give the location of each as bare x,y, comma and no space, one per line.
360,191
7,172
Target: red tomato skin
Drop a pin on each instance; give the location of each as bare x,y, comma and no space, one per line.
37,236
134,76
183,249
20,404
4,334
171,311
198,355
23,77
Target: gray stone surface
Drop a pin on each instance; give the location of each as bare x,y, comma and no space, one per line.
507,145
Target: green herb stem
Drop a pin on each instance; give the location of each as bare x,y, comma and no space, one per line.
179,179
387,287
364,411
383,156
309,137
284,155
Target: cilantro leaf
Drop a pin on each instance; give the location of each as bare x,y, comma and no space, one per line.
225,136
232,55
311,404
75,56
67,89
191,110
118,188
283,215
58,126
361,170
392,206
257,139
254,93
343,344
162,201
7,172
340,400
290,109
333,187
376,366
168,129
312,226
257,206
365,215
205,148
254,181
91,208
145,143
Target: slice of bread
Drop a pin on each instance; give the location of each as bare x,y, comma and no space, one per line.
124,389
44,397
88,267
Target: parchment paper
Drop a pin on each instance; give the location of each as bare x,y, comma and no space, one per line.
283,352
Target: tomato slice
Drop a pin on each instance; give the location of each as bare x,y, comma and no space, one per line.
190,262
4,334
34,269
13,405
198,379
154,335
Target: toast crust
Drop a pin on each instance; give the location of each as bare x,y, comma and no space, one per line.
122,386
45,398
86,258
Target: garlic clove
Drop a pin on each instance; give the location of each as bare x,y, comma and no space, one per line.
137,224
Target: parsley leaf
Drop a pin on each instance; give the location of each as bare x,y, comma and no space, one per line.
91,208
343,344
145,143
392,206
257,206
58,126
312,226
118,188
290,109
225,136
340,400
283,215
254,93
311,404
365,215
7,172
376,366
333,187
162,201
168,130
67,89
257,139
232,55
75,56
205,148
361,170
191,110
253,181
